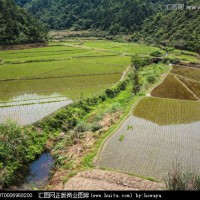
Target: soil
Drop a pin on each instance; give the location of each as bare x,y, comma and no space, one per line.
108,180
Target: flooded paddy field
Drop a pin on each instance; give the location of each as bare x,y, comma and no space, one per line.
155,143
36,82
162,133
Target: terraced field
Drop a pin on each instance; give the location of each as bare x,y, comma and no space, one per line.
172,88
72,69
151,150
168,111
67,72
162,133
114,47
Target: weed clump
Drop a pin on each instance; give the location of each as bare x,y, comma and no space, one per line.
177,180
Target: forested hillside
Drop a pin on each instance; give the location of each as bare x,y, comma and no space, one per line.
180,29
17,26
111,15
22,2
147,20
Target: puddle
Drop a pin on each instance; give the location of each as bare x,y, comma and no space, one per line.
36,175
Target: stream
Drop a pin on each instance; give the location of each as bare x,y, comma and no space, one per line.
36,174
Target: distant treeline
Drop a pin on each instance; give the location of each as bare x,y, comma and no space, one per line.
17,26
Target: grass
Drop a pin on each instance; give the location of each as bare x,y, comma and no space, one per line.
121,138
180,181
172,88
167,111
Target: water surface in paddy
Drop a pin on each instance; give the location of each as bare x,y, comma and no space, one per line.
29,108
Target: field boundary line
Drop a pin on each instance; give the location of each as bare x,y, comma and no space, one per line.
125,73
187,88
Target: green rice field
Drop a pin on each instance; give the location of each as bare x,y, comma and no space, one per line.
168,111
114,47
162,133
72,69
67,72
151,150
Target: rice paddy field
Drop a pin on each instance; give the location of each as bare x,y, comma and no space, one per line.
182,83
51,77
114,47
162,133
151,150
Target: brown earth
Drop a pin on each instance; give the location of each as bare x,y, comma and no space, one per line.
108,180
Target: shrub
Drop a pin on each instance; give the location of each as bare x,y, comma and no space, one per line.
18,146
151,78
95,127
82,127
110,93
139,61
182,181
156,54
175,61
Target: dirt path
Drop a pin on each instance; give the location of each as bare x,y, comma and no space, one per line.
125,73
106,180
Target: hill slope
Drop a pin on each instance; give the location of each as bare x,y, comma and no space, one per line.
146,19
111,15
180,29
17,26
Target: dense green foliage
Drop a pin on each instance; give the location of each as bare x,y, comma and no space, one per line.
146,20
17,26
180,29
18,146
22,2
113,15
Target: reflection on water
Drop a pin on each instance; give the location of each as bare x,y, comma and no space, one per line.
37,173
167,111
151,150
29,108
